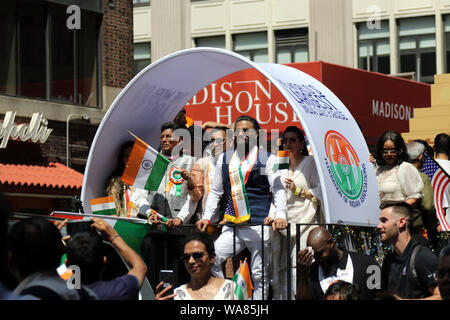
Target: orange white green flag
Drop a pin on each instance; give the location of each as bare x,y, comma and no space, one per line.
243,282
145,167
282,161
103,206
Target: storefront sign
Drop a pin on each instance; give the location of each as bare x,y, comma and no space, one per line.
36,130
378,102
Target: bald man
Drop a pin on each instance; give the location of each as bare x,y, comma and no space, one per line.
333,263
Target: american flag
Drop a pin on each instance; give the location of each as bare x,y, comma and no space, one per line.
440,181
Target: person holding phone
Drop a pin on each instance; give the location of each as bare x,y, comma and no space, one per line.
198,257
85,249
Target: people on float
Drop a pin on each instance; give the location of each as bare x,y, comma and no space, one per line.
245,179
202,175
397,179
161,247
303,193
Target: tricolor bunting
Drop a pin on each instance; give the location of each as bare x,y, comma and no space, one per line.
440,181
145,167
243,282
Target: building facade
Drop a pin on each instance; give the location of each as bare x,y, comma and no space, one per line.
410,38
62,62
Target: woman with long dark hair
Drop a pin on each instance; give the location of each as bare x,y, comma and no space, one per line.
303,193
397,179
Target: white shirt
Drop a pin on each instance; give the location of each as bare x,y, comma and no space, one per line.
217,190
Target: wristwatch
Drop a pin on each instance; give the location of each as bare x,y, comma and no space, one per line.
302,193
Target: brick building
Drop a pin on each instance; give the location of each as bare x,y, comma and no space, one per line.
65,60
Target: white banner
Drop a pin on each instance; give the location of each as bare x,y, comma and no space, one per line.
161,90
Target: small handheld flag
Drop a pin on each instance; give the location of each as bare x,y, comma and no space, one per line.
145,167
440,181
282,161
132,230
104,206
243,283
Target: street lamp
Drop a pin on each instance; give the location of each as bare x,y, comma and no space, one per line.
84,116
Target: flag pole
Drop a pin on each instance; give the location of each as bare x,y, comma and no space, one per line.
132,134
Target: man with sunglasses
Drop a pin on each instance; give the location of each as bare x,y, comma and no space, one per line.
201,176
245,180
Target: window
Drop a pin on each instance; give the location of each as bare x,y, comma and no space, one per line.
142,56
215,42
252,46
417,47
31,50
8,54
141,2
373,48
447,41
291,45
40,57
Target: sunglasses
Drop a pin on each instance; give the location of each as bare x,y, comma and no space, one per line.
291,140
386,151
195,255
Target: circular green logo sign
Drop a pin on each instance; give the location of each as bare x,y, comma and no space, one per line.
344,165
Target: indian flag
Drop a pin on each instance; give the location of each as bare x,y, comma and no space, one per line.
145,167
132,230
243,283
282,161
104,206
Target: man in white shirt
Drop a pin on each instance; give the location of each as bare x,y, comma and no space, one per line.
201,177
248,184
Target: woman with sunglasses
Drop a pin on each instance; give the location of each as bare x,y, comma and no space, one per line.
198,257
303,195
397,179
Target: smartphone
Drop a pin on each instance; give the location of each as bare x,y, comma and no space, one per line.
74,227
167,277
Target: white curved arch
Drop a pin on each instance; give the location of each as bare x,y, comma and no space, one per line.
159,92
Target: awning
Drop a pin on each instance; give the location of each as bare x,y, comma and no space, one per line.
52,177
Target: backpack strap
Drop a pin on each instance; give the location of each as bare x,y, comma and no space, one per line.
412,261
41,292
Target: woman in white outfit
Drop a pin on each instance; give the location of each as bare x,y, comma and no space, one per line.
397,179
303,195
